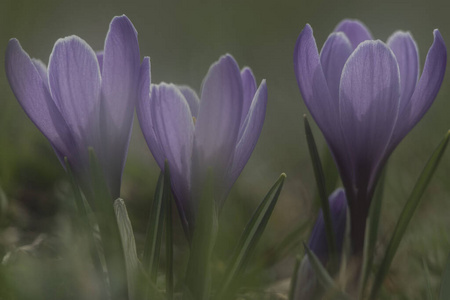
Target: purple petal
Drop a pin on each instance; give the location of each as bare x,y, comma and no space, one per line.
306,278
173,126
249,87
356,31
369,105
144,113
34,97
42,69
426,90
99,55
120,79
174,130
74,79
192,99
217,126
338,211
251,130
333,56
313,85
405,50
120,75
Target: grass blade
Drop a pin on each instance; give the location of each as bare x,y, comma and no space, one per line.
407,213
154,231
85,228
372,232
250,238
293,285
167,196
322,190
109,230
427,280
331,175
129,246
444,294
323,277
198,274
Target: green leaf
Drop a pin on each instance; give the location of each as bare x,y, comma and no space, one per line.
102,204
198,274
372,232
325,280
322,190
129,246
331,175
84,225
293,285
444,294
427,280
154,230
250,237
407,213
167,196
3,204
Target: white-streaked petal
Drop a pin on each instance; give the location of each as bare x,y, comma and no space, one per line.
75,83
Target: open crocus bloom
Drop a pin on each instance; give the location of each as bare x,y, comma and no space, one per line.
365,96
214,136
82,99
305,287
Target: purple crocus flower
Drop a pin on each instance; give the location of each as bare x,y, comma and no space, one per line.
365,95
212,136
306,284
83,99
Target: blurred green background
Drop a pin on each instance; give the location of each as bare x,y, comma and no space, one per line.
183,38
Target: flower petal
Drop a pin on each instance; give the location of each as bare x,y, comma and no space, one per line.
355,30
369,105
42,69
251,130
313,85
120,75
174,130
306,279
338,211
333,56
144,113
217,126
192,99
74,80
35,99
99,55
249,87
405,50
426,89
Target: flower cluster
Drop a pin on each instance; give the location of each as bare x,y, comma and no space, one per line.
364,94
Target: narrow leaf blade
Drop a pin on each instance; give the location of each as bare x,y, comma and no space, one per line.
129,246
444,294
372,232
198,274
167,196
102,204
407,213
250,237
322,190
324,277
154,231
